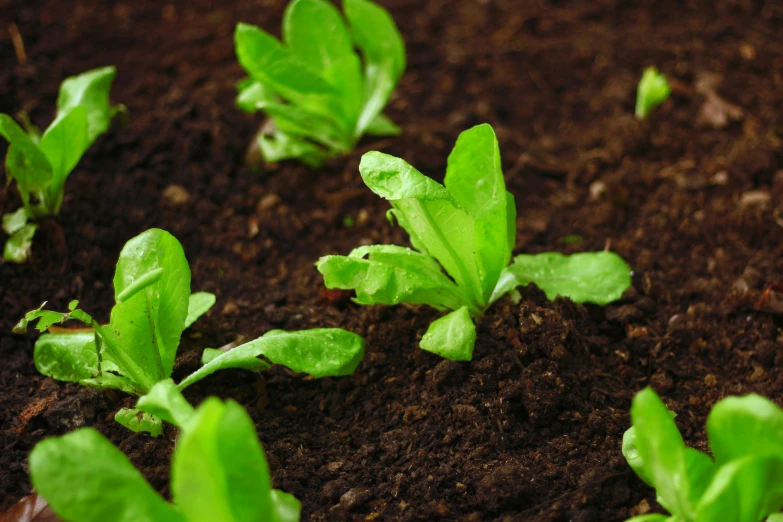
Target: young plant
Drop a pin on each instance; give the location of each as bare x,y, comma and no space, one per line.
319,96
40,163
218,473
742,482
153,306
653,90
468,229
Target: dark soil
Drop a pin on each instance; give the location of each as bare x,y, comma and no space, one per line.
531,429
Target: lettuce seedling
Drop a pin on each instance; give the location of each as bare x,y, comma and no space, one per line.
153,306
743,482
218,473
468,229
40,163
653,90
319,96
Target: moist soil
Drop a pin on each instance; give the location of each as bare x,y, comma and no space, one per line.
531,429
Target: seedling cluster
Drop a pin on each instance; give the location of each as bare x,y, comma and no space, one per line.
323,86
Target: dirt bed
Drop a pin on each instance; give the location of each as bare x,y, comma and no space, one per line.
531,429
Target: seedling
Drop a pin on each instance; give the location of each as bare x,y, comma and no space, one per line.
218,472
319,96
40,163
742,482
468,229
153,306
653,90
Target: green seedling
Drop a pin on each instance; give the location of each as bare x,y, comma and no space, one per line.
468,229
653,90
742,482
40,163
138,347
218,473
319,95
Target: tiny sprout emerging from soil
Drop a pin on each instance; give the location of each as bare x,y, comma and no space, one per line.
218,473
41,163
138,347
742,482
467,227
319,96
653,90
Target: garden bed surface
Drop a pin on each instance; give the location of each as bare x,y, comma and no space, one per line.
532,428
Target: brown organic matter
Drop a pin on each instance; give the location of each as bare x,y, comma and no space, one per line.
532,428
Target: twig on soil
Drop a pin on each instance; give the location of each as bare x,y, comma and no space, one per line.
16,40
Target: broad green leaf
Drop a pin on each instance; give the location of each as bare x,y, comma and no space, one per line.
85,478
69,357
113,381
631,454
278,68
165,401
64,143
382,126
474,179
199,303
777,517
377,36
663,453
25,163
744,490
345,75
139,421
89,90
152,288
315,32
430,216
280,146
219,471
321,352
297,122
700,470
252,364
653,90
743,426
286,507
453,336
15,221
253,96
18,247
391,275
586,277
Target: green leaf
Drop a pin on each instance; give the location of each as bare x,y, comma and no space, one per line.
453,336
744,490
15,221
165,401
663,453
219,471
47,318
199,303
139,421
84,477
286,507
148,319
89,90
631,454
64,143
253,96
377,36
653,90
382,126
25,162
18,247
315,32
252,364
744,426
280,146
321,352
586,277
474,179
391,275
435,223
68,357
297,122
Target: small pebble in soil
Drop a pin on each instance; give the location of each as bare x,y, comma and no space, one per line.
354,498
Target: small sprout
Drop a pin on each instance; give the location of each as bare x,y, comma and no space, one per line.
348,221
41,163
219,472
468,229
743,482
571,239
653,90
320,97
137,349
